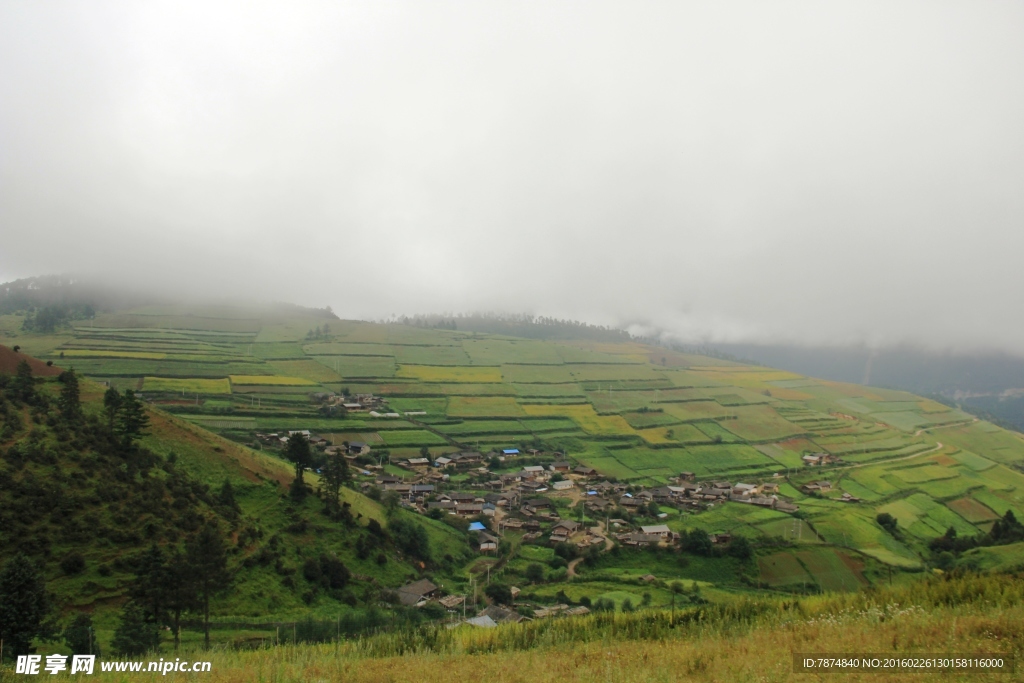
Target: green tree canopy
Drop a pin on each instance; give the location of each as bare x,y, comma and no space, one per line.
23,604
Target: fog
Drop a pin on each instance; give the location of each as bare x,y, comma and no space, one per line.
821,173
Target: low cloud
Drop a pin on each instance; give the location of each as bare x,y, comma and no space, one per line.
789,172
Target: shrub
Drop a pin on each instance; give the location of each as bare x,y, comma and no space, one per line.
73,563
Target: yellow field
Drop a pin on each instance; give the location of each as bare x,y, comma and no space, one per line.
272,380
450,373
656,435
95,353
790,394
308,369
583,415
751,378
483,406
189,385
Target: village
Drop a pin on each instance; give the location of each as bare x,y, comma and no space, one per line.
543,500
543,497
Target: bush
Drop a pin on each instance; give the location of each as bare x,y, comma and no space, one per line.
534,573
73,563
499,593
433,610
557,562
311,570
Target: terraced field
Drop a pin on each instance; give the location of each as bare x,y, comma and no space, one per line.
636,413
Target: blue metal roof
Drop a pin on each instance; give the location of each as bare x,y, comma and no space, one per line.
476,526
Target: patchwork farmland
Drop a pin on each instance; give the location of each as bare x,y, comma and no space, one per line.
638,415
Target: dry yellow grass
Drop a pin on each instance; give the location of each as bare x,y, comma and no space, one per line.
758,653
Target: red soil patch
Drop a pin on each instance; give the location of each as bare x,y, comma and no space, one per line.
971,510
9,364
855,565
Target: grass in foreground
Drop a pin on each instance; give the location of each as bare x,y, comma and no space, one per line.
750,640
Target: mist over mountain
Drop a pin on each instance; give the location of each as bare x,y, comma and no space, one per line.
736,172
991,384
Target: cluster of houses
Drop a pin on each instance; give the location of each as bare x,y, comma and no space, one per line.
420,593
686,493
518,500
819,459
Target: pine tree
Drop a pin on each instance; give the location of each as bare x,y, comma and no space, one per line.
226,497
23,388
335,474
112,405
133,420
69,402
80,636
164,588
136,634
298,452
208,562
23,605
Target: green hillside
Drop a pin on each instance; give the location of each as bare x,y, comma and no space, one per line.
637,414
84,508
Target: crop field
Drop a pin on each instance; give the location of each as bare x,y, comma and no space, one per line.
833,571
357,367
272,380
609,465
679,434
97,353
761,423
411,437
782,569
483,427
650,419
974,462
484,406
521,352
593,372
468,374
918,475
584,416
537,374
789,528
693,411
189,386
342,349
971,510
549,391
431,355
306,369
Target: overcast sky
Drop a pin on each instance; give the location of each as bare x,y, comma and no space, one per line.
784,171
